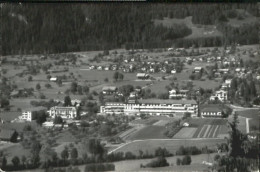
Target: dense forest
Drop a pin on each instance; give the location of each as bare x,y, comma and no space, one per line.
55,28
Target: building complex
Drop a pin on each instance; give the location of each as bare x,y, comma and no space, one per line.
151,107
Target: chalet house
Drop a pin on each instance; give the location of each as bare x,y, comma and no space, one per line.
106,68
53,79
63,112
114,67
173,71
225,71
211,111
8,135
142,76
28,114
197,69
151,70
228,82
126,70
107,90
143,69
92,67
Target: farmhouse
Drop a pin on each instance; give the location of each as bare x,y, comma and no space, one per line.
27,114
211,111
142,76
54,79
197,69
228,82
63,112
151,106
8,135
107,90
173,71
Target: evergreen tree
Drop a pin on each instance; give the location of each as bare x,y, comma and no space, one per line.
67,101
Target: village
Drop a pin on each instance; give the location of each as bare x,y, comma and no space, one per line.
126,87
44,98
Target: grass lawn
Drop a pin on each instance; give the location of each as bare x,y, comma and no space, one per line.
185,133
197,30
171,145
16,150
149,132
196,164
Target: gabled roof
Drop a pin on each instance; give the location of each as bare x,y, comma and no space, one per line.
211,108
38,108
109,88
166,101
6,133
141,75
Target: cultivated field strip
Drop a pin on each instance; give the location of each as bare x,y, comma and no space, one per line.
207,131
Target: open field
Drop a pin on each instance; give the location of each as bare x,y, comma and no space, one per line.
170,144
185,133
153,120
149,132
254,117
197,30
134,165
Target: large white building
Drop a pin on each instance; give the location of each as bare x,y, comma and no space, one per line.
152,107
63,112
221,95
27,114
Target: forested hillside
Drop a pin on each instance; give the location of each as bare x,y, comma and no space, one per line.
55,28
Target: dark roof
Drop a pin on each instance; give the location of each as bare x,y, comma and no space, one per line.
166,101
109,88
211,109
6,133
9,116
38,108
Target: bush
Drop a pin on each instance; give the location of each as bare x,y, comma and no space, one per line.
159,162
186,160
178,161
193,150
99,167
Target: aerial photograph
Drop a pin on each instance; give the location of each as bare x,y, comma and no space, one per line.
130,87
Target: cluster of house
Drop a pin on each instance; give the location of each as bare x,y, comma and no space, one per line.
132,66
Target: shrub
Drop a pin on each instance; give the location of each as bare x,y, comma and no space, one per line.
186,160
178,161
99,167
159,162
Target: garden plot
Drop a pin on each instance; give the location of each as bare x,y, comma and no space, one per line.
207,131
185,133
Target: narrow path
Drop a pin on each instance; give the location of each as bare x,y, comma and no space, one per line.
247,125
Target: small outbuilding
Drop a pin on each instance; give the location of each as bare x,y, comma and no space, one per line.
8,135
